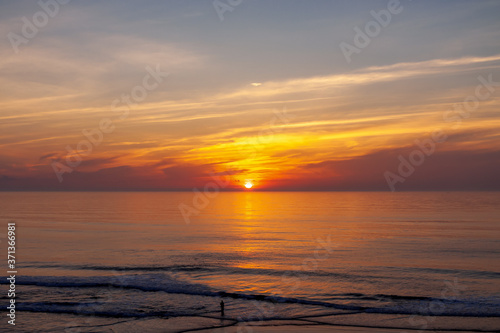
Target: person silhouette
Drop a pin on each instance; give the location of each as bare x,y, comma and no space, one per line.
221,307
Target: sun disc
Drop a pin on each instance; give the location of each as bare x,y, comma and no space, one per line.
248,185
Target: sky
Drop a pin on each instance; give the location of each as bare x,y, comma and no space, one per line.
285,95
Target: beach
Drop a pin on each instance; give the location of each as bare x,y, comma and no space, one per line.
65,322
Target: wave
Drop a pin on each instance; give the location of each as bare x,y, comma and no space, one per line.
265,271
382,303
203,269
94,309
143,282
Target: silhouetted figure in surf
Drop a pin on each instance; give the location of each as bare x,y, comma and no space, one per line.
221,307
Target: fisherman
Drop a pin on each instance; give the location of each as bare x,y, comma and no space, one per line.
222,308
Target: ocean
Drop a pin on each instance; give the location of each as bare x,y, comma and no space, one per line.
133,262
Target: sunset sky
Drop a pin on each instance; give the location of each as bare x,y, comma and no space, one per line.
265,95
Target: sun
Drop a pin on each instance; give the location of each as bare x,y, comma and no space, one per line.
248,185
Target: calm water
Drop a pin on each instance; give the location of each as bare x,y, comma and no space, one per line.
124,262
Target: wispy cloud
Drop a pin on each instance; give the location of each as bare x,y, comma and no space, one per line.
226,80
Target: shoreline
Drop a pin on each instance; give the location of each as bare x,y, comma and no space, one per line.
320,328
185,324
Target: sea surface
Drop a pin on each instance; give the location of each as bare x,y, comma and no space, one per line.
132,262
